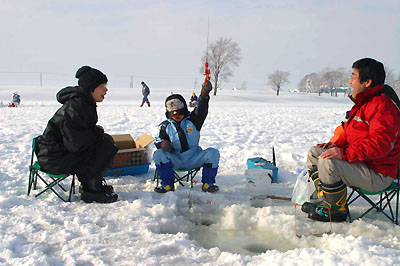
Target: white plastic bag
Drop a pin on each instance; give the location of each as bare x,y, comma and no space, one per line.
303,188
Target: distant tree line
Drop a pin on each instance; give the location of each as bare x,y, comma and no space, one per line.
329,80
224,55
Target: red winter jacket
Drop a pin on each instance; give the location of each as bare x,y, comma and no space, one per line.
372,133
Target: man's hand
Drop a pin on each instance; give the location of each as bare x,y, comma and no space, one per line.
327,145
206,88
166,146
332,153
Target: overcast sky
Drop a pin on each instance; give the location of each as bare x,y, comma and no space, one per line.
162,42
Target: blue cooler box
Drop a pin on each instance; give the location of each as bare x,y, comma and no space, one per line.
261,163
129,170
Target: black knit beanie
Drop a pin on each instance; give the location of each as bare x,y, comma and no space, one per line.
90,78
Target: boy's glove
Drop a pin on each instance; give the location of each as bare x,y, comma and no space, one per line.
206,88
166,146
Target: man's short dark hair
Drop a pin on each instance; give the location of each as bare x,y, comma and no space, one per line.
370,69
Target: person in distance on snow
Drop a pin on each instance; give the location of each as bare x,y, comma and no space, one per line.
146,93
73,143
177,142
193,100
16,99
367,154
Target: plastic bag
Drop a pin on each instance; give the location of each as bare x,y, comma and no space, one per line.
303,189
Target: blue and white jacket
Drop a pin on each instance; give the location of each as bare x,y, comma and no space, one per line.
185,135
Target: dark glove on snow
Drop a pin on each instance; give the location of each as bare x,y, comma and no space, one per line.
206,88
166,146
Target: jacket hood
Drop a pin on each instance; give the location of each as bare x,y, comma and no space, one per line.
70,92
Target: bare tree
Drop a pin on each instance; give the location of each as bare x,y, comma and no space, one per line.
326,79
309,83
390,77
397,85
223,56
277,79
332,79
344,76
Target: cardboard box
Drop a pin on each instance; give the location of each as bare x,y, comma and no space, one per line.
124,141
132,152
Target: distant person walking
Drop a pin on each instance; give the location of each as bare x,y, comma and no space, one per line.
145,92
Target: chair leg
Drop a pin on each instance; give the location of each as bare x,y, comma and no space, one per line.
35,180
156,177
73,180
49,186
397,205
30,181
72,188
179,179
348,213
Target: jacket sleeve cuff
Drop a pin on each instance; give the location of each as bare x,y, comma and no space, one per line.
343,151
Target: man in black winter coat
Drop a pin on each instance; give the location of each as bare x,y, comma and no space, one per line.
72,142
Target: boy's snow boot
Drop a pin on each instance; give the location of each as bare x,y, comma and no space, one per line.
209,188
167,176
334,205
208,179
164,189
93,191
316,197
148,104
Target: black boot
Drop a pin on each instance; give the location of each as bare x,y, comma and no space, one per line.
335,201
93,191
315,199
108,189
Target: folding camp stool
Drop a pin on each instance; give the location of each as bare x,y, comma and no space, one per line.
179,178
383,205
52,182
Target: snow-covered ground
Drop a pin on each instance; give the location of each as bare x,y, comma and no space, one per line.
145,228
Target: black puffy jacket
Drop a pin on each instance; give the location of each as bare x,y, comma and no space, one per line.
71,142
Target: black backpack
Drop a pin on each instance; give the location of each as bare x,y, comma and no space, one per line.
389,92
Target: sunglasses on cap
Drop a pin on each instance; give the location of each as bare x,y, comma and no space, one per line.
176,112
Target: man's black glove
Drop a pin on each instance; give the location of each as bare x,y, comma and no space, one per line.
166,146
206,88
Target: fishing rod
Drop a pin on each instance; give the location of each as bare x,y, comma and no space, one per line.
206,69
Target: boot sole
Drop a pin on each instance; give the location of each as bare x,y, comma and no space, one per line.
90,197
337,217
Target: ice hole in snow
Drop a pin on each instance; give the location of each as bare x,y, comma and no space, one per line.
246,242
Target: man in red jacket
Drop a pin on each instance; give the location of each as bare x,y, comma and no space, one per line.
367,155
